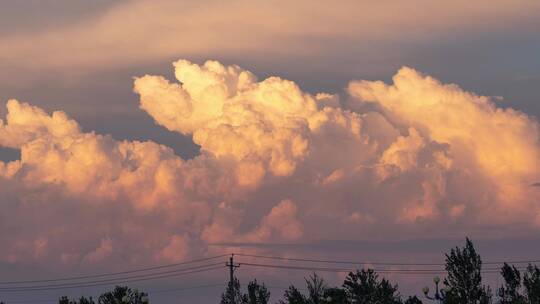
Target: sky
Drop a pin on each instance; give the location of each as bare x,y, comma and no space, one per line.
142,133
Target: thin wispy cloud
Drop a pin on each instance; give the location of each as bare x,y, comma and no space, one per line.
133,32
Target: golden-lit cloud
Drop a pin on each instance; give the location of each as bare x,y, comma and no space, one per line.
277,164
261,126
501,145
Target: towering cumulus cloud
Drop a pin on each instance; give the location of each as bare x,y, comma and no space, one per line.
286,165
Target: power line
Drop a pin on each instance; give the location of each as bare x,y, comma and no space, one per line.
384,271
116,279
375,263
185,288
109,277
112,273
311,268
102,282
335,261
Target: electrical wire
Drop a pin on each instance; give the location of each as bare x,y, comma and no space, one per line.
383,271
121,278
375,263
112,273
335,261
185,288
151,292
101,283
142,276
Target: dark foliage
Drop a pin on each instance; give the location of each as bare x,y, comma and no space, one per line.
510,293
63,300
364,287
123,295
463,283
82,300
316,289
293,296
531,281
233,294
335,296
257,294
413,300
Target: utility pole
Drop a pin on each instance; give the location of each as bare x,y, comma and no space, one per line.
232,266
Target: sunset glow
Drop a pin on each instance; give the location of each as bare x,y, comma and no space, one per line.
286,145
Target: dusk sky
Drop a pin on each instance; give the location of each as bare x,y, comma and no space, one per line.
142,133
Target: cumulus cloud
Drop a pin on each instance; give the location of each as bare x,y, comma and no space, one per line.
260,125
177,249
104,249
280,224
277,164
498,145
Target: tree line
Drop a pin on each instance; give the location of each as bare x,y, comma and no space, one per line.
461,285
119,295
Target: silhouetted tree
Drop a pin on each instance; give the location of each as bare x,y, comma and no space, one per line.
464,281
360,287
318,293
413,300
123,295
233,294
257,294
63,300
364,287
335,296
531,281
82,300
293,296
316,288
509,293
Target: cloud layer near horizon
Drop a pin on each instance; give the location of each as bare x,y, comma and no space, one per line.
277,164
